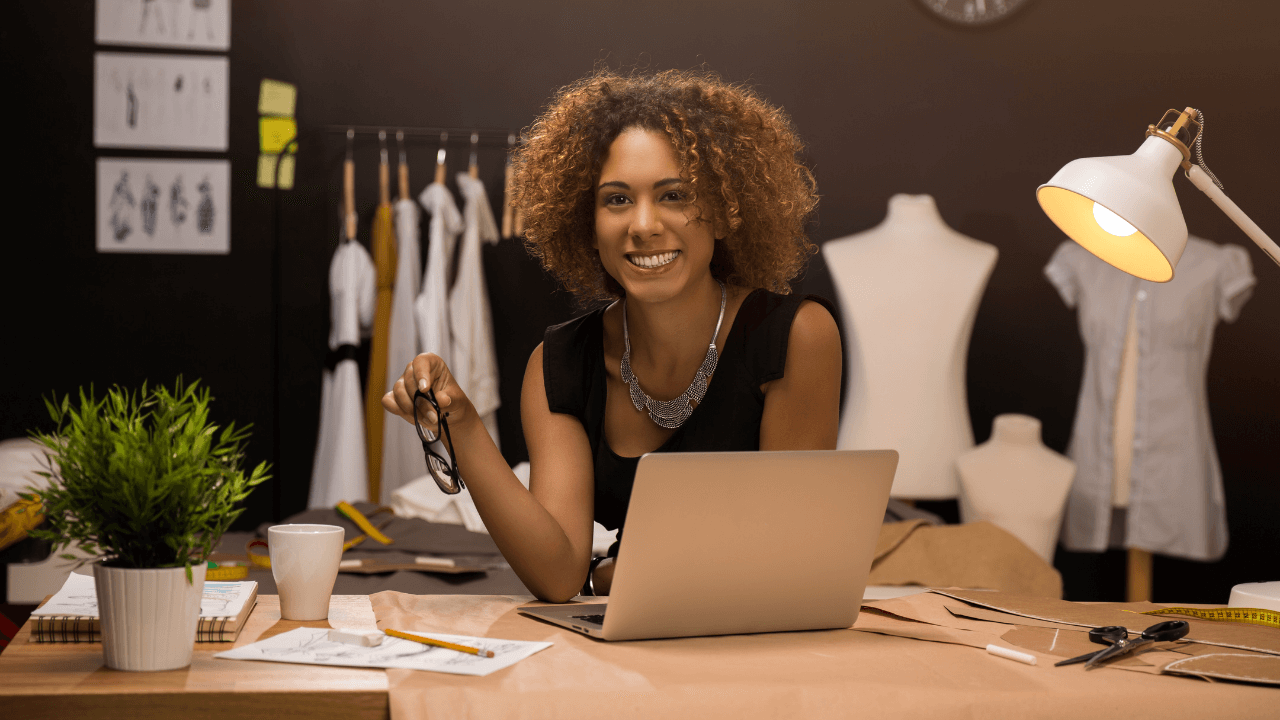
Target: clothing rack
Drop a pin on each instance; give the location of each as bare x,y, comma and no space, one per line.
451,135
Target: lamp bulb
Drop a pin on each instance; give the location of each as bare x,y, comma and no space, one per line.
1112,222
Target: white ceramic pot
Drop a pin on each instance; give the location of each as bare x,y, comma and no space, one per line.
148,617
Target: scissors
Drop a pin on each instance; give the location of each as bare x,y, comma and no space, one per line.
1117,638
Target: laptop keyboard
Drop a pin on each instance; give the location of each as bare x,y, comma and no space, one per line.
597,619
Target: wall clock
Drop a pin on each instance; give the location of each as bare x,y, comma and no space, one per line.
972,13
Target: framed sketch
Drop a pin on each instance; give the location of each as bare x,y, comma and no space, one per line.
196,24
164,206
160,101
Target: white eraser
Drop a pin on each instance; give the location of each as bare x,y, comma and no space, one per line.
349,563
437,561
363,638
1011,654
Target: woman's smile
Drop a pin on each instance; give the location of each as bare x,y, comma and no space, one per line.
653,260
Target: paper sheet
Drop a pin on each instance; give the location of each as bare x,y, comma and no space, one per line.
311,646
200,24
160,101
164,206
79,598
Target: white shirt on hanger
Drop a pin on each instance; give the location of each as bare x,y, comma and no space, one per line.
402,459
475,363
431,309
340,471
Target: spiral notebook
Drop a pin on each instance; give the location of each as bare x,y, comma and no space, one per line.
71,615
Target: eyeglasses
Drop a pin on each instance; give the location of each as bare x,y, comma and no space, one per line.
443,471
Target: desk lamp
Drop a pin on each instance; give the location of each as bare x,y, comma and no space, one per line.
1123,208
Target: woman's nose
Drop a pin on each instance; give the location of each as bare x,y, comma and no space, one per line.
645,221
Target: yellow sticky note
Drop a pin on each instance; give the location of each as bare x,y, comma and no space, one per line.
277,98
267,171
275,133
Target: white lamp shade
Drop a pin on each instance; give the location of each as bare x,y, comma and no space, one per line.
1137,188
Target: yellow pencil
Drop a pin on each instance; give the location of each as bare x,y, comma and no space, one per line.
439,643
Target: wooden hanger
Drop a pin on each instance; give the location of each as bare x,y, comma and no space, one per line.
349,186
473,166
444,138
384,170
506,190
403,168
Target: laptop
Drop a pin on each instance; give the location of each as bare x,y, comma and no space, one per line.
727,543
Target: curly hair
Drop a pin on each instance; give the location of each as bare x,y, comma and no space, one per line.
737,152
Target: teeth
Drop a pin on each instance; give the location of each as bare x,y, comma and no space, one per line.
653,261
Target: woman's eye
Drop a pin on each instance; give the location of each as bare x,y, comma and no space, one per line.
616,200
674,196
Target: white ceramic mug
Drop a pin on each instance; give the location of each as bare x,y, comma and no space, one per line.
304,562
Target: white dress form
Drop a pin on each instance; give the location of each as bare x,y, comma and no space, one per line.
1014,481
909,290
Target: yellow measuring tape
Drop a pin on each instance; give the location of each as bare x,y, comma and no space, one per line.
224,572
1250,616
362,522
261,560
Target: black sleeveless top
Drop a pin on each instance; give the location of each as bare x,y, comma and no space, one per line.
728,418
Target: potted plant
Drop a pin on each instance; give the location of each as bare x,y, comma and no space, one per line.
146,483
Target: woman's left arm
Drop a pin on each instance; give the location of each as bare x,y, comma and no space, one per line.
802,408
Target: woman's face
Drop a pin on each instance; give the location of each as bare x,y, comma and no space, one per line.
646,231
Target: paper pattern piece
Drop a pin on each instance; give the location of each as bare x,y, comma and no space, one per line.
202,24
277,98
160,101
164,206
311,646
79,598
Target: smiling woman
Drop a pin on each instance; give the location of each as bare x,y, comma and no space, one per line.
680,198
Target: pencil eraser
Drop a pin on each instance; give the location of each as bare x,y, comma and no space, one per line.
363,638
350,563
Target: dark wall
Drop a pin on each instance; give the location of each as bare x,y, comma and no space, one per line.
889,99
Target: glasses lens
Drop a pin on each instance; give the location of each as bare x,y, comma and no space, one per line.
420,410
442,474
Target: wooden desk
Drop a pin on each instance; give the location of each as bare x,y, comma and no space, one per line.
69,680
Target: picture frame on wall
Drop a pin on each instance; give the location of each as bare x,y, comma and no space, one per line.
192,24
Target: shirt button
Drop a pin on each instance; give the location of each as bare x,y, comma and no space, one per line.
1142,295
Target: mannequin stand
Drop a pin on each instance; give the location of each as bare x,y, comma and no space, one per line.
1139,576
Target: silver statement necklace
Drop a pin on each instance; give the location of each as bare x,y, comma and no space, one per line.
672,413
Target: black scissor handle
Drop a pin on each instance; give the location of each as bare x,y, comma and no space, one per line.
1167,630
1108,634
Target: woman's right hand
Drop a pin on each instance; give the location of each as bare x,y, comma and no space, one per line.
428,370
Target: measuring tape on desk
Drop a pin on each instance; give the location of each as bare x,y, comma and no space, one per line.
1249,616
224,573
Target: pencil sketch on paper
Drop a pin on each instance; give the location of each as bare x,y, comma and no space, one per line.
160,101
204,24
132,196
177,202
312,646
121,207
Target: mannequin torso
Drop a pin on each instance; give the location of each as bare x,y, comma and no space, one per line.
909,290
1016,482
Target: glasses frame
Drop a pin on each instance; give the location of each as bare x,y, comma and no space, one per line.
447,466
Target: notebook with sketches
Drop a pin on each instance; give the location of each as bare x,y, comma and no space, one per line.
741,542
71,615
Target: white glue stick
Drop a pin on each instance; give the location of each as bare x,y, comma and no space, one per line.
1012,654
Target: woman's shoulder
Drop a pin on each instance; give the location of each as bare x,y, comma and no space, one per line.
567,360
765,323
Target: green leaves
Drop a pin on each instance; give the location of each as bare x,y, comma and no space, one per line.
143,477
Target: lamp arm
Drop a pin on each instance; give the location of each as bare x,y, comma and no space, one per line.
1201,179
